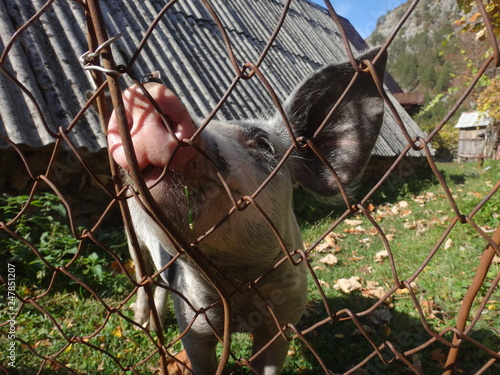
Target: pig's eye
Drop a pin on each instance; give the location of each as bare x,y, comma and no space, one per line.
264,144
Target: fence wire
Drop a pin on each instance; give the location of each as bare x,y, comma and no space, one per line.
36,312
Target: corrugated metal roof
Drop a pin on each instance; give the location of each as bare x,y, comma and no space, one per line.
186,47
473,120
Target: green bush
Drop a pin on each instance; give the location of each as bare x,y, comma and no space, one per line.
44,240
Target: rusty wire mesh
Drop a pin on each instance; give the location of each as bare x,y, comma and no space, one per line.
161,348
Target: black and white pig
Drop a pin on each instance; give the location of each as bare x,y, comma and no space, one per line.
244,153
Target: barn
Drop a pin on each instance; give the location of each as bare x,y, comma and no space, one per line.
43,84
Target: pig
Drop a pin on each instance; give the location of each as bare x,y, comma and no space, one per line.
195,185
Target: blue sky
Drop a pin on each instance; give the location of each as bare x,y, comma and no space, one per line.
363,14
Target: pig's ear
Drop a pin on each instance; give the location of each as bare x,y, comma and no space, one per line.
349,135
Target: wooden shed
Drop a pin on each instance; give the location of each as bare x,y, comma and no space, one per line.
477,137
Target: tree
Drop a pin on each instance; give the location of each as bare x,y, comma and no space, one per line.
473,20
489,99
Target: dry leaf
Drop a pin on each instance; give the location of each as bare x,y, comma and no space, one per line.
118,331
371,284
403,204
322,247
438,356
348,285
414,287
380,316
357,230
353,223
378,293
410,226
329,260
180,365
381,255
405,213
419,199
331,240
366,270
355,258
496,259
357,332
448,243
45,342
428,308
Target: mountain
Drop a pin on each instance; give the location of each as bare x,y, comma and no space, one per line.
418,55
431,55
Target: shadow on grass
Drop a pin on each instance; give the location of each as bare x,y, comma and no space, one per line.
341,346
309,209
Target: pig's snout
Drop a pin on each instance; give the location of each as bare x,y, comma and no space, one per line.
152,141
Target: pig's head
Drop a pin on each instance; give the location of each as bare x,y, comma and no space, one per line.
235,158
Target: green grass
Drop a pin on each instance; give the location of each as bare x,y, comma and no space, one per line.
413,225
413,229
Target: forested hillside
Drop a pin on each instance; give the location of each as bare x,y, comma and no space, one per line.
432,54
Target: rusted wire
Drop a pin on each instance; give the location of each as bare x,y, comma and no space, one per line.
108,76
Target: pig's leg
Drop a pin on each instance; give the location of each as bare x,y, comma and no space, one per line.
141,308
161,296
271,360
142,313
201,353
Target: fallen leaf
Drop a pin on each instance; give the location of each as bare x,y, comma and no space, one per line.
118,331
357,332
448,243
371,284
331,240
179,364
419,199
45,342
477,195
366,270
403,204
428,308
355,258
353,223
357,230
329,260
312,309
405,213
378,293
438,356
414,287
318,268
496,259
324,283
410,226
380,316
381,255
348,285
322,247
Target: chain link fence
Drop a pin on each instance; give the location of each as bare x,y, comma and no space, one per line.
105,338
